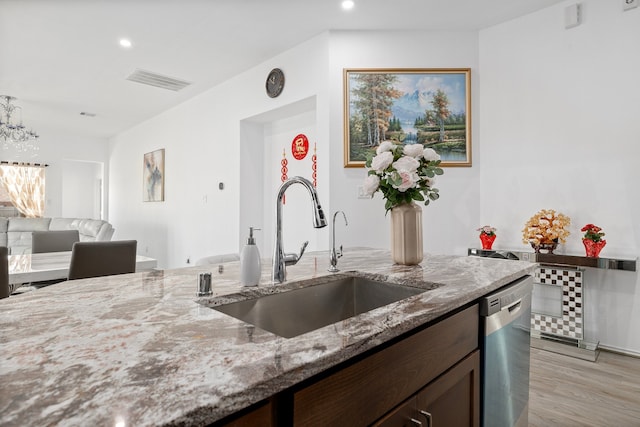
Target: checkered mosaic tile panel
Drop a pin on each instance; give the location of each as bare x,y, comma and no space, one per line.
571,323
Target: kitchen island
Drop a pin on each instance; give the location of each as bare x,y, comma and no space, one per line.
142,349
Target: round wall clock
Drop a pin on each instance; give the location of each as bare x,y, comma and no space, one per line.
275,82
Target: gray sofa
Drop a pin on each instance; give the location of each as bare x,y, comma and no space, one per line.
15,232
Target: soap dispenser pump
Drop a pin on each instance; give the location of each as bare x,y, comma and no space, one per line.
250,265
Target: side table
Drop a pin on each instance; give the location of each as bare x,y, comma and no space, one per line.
560,279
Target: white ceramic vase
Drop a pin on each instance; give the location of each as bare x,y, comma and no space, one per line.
406,234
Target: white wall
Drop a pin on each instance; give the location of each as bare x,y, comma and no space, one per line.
213,137
447,222
296,209
81,189
57,147
263,140
210,139
560,129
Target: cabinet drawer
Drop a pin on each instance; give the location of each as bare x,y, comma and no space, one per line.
364,391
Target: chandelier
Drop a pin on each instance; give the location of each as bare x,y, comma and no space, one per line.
13,135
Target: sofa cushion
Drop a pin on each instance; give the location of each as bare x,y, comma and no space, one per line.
4,223
17,231
28,224
106,232
90,227
19,242
62,224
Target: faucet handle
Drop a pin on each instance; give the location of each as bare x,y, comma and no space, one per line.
339,253
292,259
302,249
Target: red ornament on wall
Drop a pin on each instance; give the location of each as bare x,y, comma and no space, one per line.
284,170
300,147
314,166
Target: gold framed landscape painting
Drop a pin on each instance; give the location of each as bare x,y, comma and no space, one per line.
153,176
431,107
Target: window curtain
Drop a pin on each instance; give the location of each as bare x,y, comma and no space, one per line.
25,185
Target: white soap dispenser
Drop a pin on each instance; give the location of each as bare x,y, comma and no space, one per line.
250,265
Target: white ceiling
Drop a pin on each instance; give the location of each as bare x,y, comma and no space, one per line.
61,57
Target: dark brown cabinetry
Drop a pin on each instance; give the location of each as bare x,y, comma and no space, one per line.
434,370
452,400
405,415
260,414
366,390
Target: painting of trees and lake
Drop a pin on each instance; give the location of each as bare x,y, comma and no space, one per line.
431,107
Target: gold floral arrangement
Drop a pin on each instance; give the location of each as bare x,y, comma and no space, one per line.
546,226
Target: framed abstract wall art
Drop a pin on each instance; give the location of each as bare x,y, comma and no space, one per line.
153,176
431,107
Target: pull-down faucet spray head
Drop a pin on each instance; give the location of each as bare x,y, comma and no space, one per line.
319,219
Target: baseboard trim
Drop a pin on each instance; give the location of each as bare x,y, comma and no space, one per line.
621,351
566,348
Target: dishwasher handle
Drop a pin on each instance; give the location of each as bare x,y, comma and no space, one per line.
506,296
507,315
515,307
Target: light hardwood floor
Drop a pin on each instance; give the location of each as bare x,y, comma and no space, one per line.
565,391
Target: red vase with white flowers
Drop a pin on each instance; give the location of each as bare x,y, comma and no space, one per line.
487,236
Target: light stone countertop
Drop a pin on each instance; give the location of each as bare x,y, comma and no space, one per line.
141,349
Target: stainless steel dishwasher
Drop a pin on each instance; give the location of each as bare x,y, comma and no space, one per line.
506,331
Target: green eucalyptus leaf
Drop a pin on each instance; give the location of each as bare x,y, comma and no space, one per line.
388,205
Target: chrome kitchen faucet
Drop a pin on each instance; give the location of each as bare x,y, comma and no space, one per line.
280,258
335,254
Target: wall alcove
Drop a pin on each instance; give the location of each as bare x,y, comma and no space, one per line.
263,139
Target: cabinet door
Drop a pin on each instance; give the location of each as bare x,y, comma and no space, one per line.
452,400
403,416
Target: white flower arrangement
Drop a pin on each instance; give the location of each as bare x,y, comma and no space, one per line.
403,173
488,230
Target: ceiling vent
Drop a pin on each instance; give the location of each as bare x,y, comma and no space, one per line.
157,80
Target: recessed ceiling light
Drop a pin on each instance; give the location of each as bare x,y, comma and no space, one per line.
348,4
126,43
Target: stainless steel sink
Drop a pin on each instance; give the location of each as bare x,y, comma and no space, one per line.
295,312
